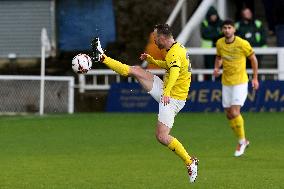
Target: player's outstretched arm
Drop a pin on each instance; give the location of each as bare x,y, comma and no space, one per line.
254,65
151,60
218,64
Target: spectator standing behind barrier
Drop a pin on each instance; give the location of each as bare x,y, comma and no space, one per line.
240,4
251,30
210,33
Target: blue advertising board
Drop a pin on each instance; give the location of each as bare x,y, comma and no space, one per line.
203,97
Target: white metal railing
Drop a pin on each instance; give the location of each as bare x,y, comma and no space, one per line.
197,17
258,50
180,6
279,52
104,76
194,21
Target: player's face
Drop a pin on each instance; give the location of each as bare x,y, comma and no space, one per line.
247,14
228,31
159,40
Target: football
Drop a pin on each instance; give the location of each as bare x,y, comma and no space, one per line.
81,63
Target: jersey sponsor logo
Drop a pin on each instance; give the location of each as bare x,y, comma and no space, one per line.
175,66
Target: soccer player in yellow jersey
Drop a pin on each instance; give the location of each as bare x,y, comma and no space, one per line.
232,52
171,93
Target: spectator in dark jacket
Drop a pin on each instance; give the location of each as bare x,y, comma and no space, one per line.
251,29
210,33
211,28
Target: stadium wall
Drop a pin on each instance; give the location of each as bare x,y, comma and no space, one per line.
204,97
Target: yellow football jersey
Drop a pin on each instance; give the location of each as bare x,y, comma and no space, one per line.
177,83
234,60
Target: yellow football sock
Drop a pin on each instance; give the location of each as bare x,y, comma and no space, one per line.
232,125
116,66
239,126
179,150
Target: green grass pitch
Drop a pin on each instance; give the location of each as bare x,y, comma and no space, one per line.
119,151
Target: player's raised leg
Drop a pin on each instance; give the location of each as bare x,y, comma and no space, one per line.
144,77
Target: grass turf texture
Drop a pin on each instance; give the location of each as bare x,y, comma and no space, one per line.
119,151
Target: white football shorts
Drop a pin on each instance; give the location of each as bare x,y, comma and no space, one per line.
166,113
234,95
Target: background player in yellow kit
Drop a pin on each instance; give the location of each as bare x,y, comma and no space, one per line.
232,52
171,93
